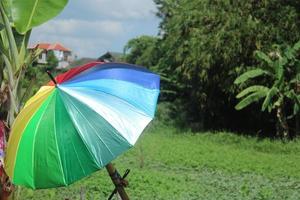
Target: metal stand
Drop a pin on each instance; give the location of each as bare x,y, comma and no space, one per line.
118,181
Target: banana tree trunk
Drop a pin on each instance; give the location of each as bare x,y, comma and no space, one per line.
283,128
13,106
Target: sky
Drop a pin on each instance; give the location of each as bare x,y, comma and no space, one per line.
92,27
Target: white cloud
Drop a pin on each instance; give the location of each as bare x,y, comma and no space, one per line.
83,37
81,27
92,27
118,9
83,47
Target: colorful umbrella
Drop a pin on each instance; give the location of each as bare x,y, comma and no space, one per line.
70,129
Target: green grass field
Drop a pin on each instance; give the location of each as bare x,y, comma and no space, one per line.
168,164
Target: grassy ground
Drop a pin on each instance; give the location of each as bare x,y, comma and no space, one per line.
166,164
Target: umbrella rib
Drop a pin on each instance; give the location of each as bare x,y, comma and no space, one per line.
35,133
59,157
93,129
84,142
125,101
78,158
130,105
121,122
141,112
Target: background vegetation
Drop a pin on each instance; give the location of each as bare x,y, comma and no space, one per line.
203,46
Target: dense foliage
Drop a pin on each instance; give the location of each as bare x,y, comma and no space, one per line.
279,88
204,45
143,51
52,61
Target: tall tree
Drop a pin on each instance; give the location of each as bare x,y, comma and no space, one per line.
207,43
142,51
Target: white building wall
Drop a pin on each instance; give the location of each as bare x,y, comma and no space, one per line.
42,58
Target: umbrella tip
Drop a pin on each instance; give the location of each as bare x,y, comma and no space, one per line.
51,77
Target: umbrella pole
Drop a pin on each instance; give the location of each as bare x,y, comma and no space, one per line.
117,180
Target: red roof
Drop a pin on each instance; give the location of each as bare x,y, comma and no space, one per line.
48,46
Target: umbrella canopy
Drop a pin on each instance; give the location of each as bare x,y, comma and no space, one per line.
69,130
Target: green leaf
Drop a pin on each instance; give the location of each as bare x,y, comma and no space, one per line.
279,69
9,37
6,4
296,47
262,56
271,93
289,53
30,13
1,26
296,109
23,51
295,97
279,102
254,88
3,50
250,99
249,74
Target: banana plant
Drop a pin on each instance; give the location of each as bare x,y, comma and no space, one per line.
17,18
279,86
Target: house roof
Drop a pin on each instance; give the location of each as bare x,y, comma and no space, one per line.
48,46
111,56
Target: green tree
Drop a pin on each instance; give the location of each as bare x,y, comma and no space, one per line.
205,44
17,18
52,61
282,71
142,51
